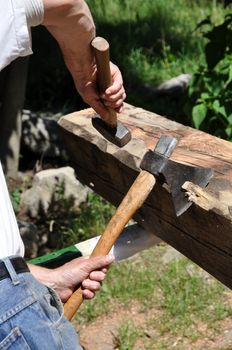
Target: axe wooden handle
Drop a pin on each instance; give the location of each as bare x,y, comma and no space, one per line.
133,200
102,55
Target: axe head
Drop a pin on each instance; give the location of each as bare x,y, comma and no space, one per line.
173,173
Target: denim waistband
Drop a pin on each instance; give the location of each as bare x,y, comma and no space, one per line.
10,267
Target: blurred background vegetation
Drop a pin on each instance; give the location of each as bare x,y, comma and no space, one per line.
151,41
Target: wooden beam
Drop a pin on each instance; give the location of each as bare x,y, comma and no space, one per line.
204,232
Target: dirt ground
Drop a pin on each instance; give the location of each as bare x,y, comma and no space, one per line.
101,334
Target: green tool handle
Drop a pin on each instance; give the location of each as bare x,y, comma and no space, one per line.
57,258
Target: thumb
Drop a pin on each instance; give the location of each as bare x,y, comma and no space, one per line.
98,262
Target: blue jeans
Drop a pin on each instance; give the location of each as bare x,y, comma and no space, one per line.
31,315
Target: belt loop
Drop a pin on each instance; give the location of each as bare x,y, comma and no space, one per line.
10,268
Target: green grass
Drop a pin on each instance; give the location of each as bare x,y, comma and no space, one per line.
175,298
188,297
153,40
126,336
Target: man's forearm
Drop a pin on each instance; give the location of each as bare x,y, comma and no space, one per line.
71,24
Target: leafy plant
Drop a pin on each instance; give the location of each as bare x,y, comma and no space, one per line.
90,221
16,198
73,224
16,188
210,90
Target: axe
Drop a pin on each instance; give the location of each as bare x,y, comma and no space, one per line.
156,166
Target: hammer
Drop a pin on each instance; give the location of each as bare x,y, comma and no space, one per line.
112,130
155,165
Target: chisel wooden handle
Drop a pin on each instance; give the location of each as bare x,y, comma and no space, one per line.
133,200
102,55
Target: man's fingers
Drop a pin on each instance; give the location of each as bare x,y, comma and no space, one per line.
114,89
98,275
119,95
104,270
114,105
88,294
103,111
117,81
119,109
114,100
94,286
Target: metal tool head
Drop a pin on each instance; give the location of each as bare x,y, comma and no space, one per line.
118,135
173,173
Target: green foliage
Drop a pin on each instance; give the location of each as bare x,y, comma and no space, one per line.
16,198
68,224
159,32
16,189
210,91
126,337
90,221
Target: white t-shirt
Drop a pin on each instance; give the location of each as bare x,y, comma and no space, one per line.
14,42
10,240
14,33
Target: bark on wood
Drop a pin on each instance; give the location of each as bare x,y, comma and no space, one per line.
204,232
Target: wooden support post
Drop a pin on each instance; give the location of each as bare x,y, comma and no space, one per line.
12,91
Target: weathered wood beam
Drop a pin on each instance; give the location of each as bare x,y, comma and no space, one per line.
204,232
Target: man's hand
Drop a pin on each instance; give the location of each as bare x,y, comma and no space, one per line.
85,272
71,24
113,97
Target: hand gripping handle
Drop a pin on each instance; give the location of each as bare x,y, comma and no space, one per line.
102,56
133,200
